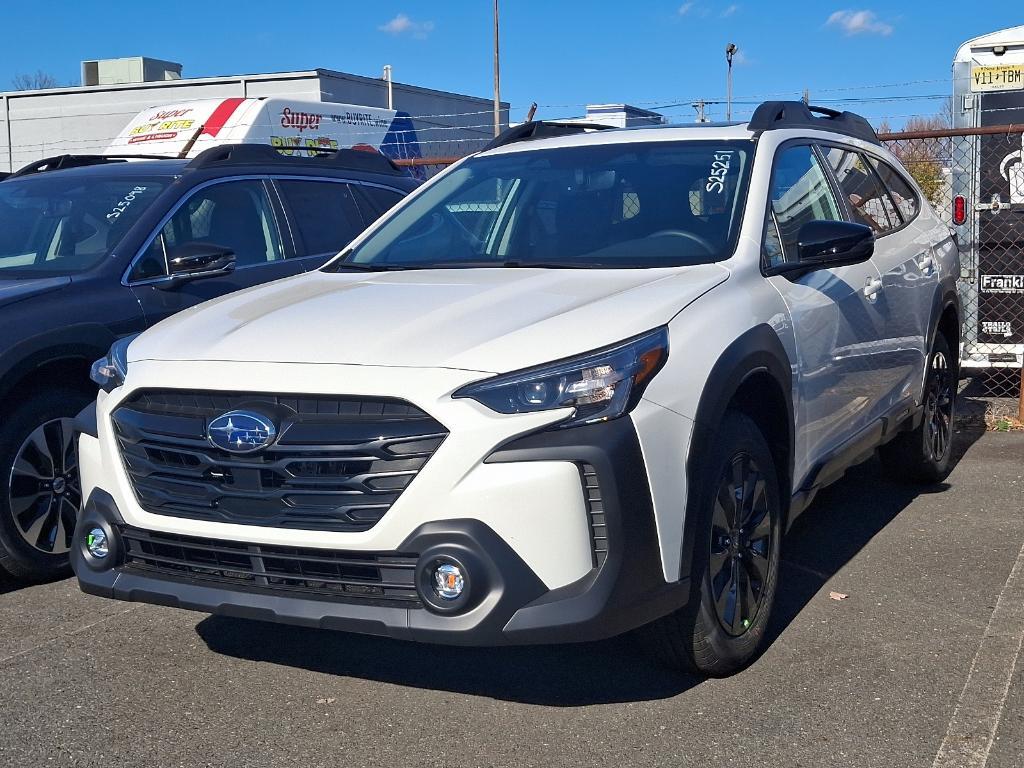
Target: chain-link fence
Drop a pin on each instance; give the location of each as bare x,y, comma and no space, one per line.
975,180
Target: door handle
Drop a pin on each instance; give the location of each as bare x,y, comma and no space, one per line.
926,263
872,287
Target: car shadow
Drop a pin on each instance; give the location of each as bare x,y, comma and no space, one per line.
842,520
836,526
606,672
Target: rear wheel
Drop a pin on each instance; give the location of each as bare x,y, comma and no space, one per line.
736,558
40,493
926,454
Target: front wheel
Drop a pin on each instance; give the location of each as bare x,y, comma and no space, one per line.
40,493
735,561
925,454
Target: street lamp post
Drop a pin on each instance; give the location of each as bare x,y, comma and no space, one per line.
730,51
497,76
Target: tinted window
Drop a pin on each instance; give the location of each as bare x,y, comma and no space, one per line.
618,205
375,202
55,224
800,193
868,201
235,214
325,214
902,193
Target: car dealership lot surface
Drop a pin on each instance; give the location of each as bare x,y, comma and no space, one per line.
871,680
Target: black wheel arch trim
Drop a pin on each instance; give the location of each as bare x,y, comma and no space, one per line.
84,342
945,298
758,350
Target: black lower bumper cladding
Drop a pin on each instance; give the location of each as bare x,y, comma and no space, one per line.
504,601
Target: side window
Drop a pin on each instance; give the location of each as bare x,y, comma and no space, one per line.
325,214
375,202
868,201
902,193
800,192
236,214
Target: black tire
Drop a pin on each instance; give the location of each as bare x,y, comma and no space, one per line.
46,507
925,454
705,636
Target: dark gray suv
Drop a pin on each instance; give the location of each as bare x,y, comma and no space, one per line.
94,248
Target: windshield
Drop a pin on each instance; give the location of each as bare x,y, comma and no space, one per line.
619,205
59,224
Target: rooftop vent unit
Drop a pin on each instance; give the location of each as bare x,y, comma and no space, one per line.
135,69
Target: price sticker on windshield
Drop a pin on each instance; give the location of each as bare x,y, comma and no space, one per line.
719,172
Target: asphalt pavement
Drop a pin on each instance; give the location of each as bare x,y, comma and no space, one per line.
918,666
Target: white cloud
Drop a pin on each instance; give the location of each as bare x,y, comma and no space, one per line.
403,25
729,10
685,8
859,23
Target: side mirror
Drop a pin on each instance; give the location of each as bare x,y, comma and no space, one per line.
828,244
193,261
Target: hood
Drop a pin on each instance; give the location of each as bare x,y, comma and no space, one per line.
488,320
17,289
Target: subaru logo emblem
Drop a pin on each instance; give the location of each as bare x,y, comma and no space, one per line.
241,431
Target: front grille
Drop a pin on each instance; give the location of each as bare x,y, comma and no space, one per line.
338,464
595,514
356,576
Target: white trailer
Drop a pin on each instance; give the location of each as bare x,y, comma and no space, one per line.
988,203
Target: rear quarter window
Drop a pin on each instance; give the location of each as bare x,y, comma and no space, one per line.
903,195
325,214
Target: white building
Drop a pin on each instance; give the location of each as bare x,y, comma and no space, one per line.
83,119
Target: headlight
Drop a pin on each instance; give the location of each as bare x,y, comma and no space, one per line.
600,385
109,372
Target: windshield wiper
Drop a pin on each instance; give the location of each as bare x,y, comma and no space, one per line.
552,264
507,264
358,266
481,264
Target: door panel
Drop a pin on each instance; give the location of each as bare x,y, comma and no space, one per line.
837,327
902,253
235,213
910,277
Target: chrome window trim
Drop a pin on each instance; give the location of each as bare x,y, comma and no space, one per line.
248,177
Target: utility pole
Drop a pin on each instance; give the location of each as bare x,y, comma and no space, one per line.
730,51
497,76
699,106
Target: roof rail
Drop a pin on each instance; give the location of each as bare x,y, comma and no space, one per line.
773,115
59,162
262,154
541,129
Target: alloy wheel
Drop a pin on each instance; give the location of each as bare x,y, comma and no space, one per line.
741,545
939,407
44,493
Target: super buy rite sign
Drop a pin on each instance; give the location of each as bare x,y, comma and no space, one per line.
298,127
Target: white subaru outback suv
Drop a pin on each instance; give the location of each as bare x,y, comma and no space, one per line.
578,384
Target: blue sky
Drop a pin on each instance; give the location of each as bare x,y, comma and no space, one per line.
559,54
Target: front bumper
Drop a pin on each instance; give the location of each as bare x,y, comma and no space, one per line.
508,603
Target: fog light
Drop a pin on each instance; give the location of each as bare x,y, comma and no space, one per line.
97,544
448,581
